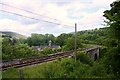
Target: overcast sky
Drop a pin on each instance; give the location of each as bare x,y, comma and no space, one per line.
86,13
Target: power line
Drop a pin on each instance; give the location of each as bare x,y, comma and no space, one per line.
26,11
34,18
30,12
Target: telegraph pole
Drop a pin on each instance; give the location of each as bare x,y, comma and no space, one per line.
75,40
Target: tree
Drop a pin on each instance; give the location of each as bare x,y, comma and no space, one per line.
113,20
113,17
40,39
13,50
70,44
62,38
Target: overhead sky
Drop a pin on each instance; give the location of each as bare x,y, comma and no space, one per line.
88,14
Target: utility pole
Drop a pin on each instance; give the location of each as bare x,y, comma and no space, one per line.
75,40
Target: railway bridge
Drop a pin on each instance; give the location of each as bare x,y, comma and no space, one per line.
94,52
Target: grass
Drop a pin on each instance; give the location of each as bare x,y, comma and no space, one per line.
11,73
38,71
34,71
58,69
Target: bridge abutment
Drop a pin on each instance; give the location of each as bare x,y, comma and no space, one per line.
95,53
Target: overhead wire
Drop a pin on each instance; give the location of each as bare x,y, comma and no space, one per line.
28,11
32,13
34,18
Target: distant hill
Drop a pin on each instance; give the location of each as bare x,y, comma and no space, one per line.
12,34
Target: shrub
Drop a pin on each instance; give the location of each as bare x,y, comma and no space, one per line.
84,58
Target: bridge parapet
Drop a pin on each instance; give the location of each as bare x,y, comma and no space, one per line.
93,51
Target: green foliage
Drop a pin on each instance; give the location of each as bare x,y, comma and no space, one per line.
112,58
23,51
49,70
65,68
103,51
61,39
113,16
40,39
66,41
96,36
58,50
85,58
11,73
13,51
47,51
6,41
97,70
70,44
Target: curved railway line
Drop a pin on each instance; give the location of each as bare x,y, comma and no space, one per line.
4,65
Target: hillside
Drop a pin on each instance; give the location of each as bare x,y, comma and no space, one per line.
12,34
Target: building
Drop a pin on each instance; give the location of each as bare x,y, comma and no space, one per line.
41,47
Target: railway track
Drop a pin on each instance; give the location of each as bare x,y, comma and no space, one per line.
38,60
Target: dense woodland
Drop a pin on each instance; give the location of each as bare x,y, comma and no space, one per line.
107,66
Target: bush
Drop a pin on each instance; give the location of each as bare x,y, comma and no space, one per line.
97,71
17,51
47,51
84,58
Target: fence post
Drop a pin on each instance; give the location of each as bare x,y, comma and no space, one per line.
21,74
